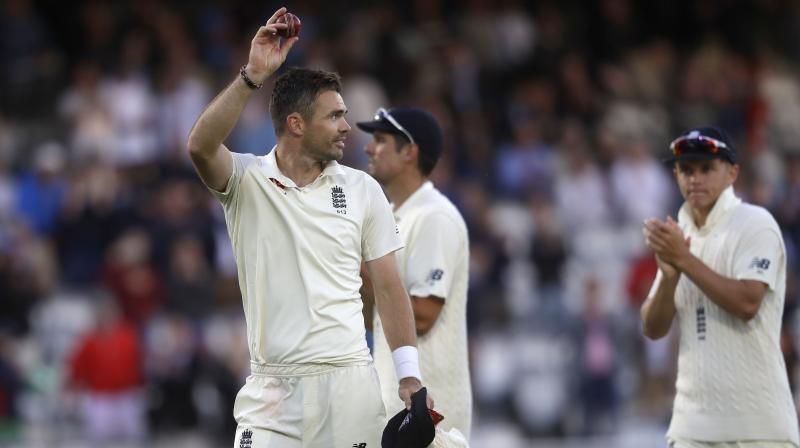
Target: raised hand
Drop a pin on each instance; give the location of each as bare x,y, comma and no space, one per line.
666,239
267,50
667,269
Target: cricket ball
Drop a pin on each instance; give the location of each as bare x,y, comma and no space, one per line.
293,28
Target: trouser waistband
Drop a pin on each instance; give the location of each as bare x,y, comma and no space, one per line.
298,369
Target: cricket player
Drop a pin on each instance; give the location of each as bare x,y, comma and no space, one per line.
300,225
434,264
722,272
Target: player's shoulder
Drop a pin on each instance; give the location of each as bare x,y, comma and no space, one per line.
751,221
358,184
246,159
436,207
754,216
352,176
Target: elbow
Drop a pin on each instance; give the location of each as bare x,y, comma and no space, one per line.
653,332
748,307
423,326
198,149
748,311
647,330
193,145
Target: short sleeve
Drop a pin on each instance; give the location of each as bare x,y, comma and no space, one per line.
433,257
380,235
759,256
240,164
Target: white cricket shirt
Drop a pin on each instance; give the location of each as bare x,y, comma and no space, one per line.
434,262
298,254
732,383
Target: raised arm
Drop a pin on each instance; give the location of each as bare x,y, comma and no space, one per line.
742,298
210,157
658,310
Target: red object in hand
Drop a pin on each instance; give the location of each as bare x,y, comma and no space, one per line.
293,25
435,416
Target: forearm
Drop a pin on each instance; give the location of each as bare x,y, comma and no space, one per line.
426,312
734,296
397,318
658,310
367,298
218,120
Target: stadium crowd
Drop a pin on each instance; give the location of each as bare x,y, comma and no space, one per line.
116,272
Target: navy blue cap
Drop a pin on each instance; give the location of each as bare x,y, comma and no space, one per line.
410,429
422,126
701,143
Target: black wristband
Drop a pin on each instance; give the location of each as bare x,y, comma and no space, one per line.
247,79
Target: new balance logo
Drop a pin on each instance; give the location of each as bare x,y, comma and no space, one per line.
435,275
760,264
246,440
360,445
338,198
405,421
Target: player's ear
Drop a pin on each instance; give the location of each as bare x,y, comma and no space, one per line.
733,173
411,152
295,124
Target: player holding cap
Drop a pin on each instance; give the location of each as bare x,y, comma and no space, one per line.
300,225
722,271
434,264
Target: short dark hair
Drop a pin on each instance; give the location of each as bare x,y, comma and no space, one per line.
425,162
296,90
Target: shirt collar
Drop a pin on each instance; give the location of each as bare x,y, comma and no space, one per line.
273,172
415,197
726,202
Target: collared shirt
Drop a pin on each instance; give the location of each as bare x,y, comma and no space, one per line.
298,254
732,383
434,262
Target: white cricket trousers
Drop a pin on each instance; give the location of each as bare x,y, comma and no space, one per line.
309,406
115,417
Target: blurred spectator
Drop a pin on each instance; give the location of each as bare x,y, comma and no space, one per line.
40,193
183,93
548,255
525,164
178,208
11,385
190,285
93,216
28,272
131,104
172,370
83,107
639,183
29,66
600,360
107,367
581,191
129,274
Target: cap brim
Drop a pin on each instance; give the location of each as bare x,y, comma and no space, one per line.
376,126
691,156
